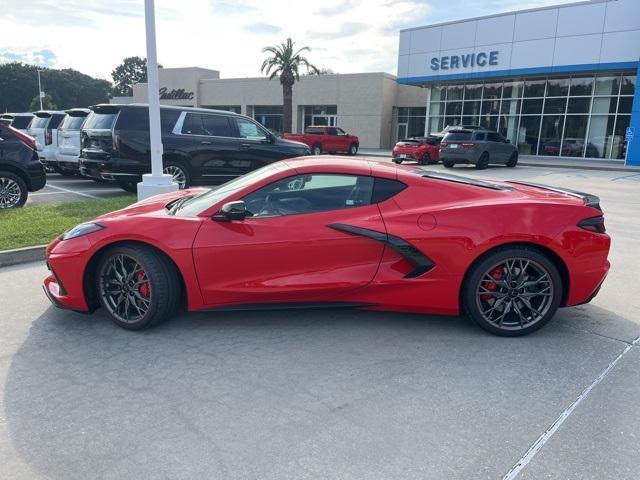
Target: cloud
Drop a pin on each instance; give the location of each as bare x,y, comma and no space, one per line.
261,28
347,29
68,12
340,9
41,58
231,7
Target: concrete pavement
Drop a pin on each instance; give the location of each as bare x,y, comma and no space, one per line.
327,394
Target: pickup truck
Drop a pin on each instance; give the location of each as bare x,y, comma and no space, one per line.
326,140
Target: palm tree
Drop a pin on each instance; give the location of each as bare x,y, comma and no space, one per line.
285,62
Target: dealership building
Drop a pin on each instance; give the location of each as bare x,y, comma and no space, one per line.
555,81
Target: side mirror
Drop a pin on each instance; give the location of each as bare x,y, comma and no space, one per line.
232,211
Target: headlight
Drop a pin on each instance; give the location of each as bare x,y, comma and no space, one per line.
82,229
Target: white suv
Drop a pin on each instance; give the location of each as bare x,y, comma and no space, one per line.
44,128
19,121
69,140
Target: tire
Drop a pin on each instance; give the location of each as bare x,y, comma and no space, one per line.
480,295
130,186
483,161
397,161
425,160
448,163
316,150
179,173
158,292
13,191
513,160
99,180
353,149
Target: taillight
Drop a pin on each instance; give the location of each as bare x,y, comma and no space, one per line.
48,137
593,224
444,144
468,146
30,141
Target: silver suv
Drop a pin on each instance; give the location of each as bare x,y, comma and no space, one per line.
477,147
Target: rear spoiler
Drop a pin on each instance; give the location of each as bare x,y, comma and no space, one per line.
589,199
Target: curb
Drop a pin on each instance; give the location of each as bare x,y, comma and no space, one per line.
22,255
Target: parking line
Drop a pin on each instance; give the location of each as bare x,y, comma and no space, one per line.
72,191
544,438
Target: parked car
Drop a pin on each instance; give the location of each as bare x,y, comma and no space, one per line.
424,150
20,169
477,147
69,140
19,121
310,233
326,140
201,146
44,128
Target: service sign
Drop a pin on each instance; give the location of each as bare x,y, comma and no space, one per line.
468,60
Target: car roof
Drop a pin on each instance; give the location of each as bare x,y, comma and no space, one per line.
42,113
84,110
163,107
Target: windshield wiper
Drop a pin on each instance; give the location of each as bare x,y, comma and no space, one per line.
175,205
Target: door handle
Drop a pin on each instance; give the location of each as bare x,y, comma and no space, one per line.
245,146
205,143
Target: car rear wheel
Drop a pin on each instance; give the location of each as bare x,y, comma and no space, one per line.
448,163
130,186
178,173
13,191
316,150
137,286
426,159
483,161
513,160
512,291
353,149
397,160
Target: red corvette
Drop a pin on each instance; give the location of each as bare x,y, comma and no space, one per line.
310,233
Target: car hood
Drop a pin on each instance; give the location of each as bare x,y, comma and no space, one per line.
152,204
290,143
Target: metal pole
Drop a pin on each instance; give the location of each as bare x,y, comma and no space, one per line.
153,86
157,182
39,89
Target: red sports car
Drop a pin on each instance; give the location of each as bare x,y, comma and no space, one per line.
340,232
423,150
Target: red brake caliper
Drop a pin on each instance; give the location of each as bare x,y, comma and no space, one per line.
144,287
496,274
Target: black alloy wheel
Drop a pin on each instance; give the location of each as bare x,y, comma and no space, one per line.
137,286
512,291
448,163
13,191
426,159
513,160
483,161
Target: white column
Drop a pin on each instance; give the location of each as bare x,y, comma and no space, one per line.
156,182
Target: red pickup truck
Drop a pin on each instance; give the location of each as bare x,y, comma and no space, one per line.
326,139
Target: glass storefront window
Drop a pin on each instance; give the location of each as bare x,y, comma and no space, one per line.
600,135
438,94
509,128
454,92
528,134
619,145
510,107
575,129
556,87
471,108
473,91
555,105
534,88
490,107
581,86
490,122
551,135
604,105
532,106
624,105
453,109
607,85
436,124
628,86
492,90
512,89
578,105
436,108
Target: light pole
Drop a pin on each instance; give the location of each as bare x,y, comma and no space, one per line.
40,89
156,182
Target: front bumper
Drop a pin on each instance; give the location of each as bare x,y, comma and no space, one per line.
65,286
105,170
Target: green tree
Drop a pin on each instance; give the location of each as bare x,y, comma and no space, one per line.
47,103
132,70
284,61
67,88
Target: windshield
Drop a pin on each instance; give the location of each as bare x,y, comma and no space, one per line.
197,204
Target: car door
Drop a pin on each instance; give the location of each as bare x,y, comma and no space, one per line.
256,148
209,143
497,147
290,248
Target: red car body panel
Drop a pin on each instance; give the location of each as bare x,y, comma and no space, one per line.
416,151
300,259
328,143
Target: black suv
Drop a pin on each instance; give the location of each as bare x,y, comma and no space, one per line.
20,169
201,146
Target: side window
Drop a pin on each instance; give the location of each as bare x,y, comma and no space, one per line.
56,119
332,131
249,130
479,136
193,124
385,188
216,125
493,137
310,193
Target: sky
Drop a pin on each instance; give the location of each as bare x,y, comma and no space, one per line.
346,36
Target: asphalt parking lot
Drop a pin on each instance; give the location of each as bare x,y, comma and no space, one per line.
69,189
330,394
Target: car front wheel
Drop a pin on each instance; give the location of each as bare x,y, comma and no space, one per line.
316,150
448,163
13,191
178,173
512,291
353,149
513,160
137,286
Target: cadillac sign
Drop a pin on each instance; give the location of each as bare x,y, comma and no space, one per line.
175,94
